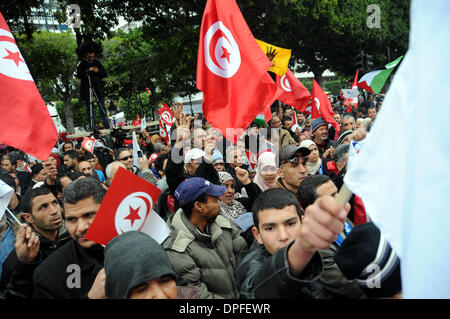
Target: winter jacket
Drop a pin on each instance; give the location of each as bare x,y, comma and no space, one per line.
264,276
68,273
334,281
206,261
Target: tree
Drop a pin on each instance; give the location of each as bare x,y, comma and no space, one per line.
326,34
52,62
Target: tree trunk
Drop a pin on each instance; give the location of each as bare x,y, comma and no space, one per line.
69,115
318,77
152,90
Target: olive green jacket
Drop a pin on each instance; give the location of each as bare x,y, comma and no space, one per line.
206,261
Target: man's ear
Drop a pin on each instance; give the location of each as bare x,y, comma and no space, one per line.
280,172
28,217
257,235
198,206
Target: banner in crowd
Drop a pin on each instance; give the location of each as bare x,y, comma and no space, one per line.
25,120
128,205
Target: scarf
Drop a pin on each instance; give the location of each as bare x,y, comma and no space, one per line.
235,208
265,159
313,167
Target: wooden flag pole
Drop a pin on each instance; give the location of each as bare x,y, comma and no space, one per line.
344,195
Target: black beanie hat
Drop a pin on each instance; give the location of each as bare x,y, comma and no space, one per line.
365,251
131,259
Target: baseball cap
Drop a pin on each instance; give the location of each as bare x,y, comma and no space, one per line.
193,154
189,190
286,152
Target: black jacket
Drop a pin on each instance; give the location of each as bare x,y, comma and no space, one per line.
264,276
96,78
51,278
17,277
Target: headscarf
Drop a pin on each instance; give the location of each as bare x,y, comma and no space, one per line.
235,208
56,157
265,159
313,167
154,137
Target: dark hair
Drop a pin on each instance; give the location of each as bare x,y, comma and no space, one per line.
8,179
87,156
26,202
78,147
274,198
67,142
187,208
285,119
75,175
159,162
83,188
72,154
307,189
120,150
36,169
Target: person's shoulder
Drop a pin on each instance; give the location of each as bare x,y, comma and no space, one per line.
61,256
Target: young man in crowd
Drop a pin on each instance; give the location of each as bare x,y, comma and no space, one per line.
203,246
288,264
43,234
81,199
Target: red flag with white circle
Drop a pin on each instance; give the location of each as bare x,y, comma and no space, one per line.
25,120
294,93
127,206
232,70
88,144
166,114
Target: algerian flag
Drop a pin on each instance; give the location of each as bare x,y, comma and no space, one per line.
279,57
374,81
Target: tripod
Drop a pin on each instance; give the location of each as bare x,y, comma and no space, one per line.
92,94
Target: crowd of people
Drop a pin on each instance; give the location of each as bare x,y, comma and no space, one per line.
252,219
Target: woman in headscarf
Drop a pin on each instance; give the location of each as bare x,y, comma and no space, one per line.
233,205
314,163
266,171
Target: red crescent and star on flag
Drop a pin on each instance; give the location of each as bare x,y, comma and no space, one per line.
15,56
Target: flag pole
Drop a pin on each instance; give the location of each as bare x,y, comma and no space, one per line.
14,217
344,195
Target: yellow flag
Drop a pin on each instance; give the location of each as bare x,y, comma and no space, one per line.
279,57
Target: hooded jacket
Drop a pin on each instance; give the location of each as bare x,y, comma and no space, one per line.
206,261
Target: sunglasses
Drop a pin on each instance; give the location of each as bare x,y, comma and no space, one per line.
126,158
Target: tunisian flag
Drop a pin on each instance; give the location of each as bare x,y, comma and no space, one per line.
166,114
294,93
322,106
88,144
128,205
232,70
25,121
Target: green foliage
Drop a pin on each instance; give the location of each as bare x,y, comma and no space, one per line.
52,62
